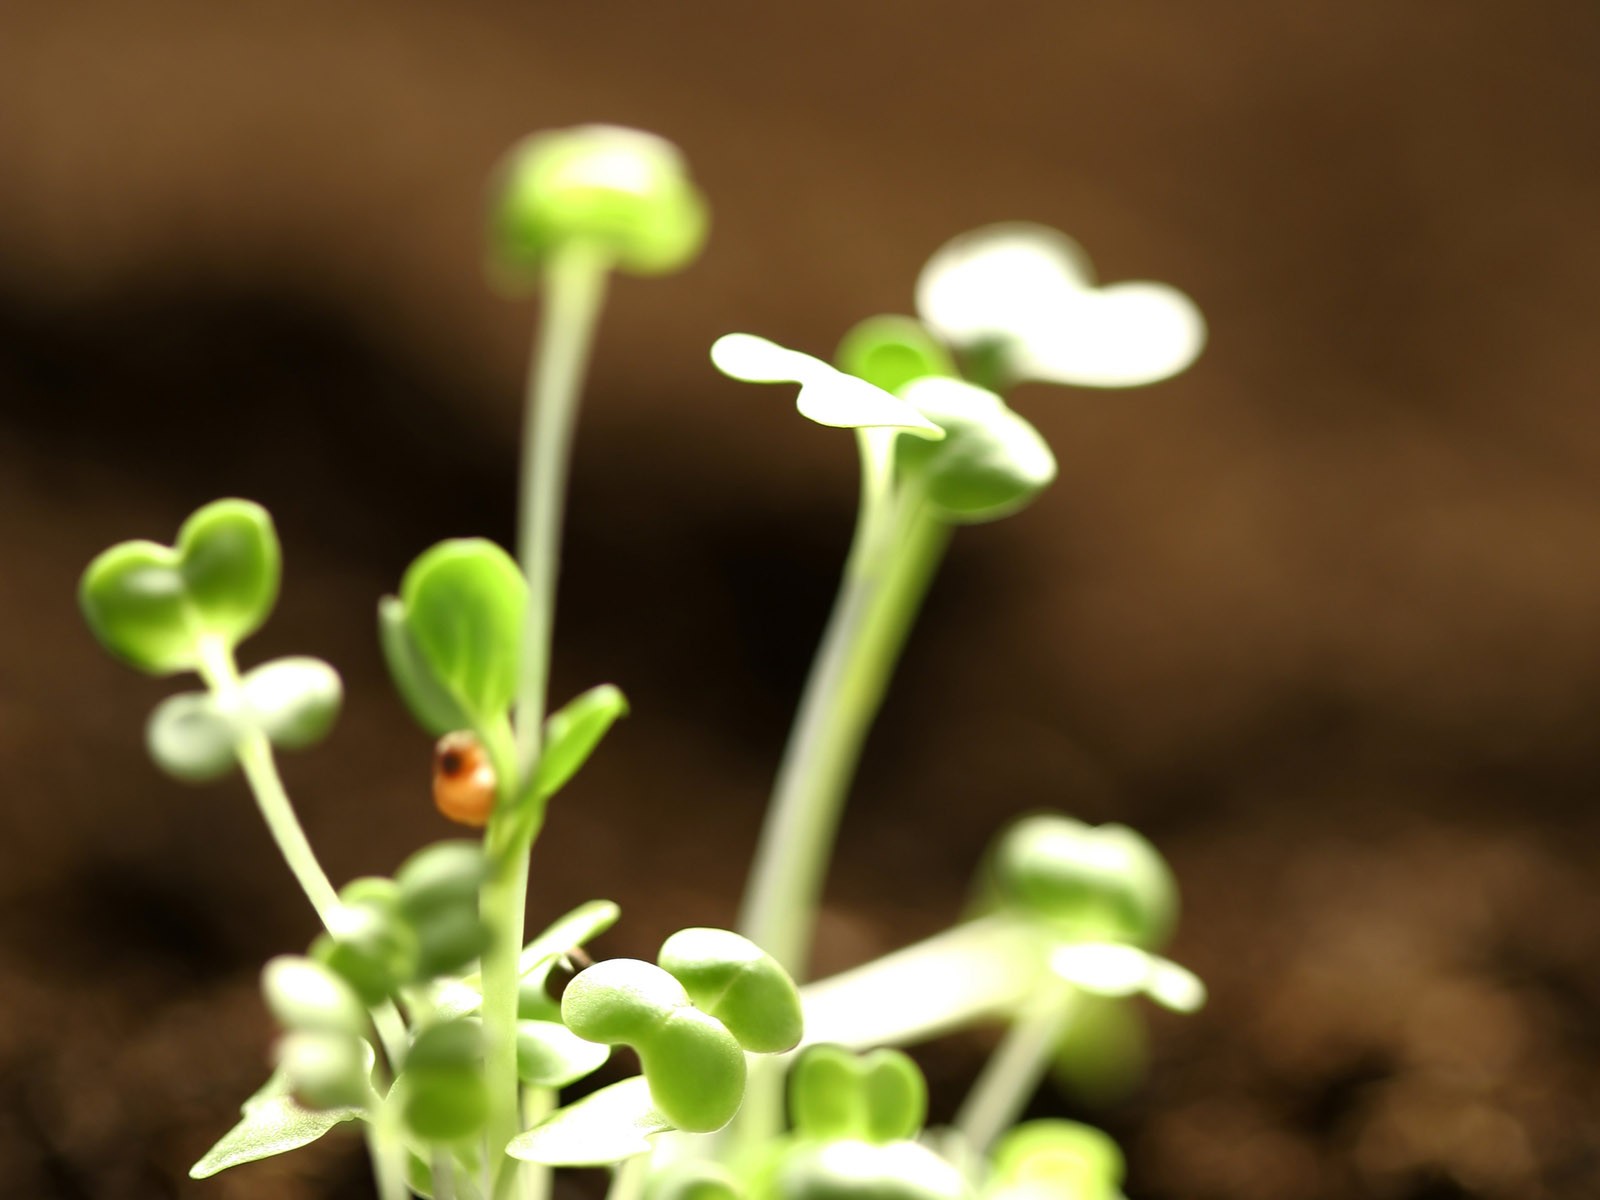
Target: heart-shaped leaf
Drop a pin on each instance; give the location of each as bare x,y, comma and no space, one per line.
1031,291
463,603
876,1097
190,739
614,1123
991,463
572,733
273,1124
294,701
827,395
153,605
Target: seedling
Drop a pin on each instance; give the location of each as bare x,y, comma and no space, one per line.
421,1014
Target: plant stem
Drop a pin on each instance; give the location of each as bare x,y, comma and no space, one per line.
891,563
628,1178
1012,1074
574,289
254,751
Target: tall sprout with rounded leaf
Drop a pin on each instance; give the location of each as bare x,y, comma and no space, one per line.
420,1013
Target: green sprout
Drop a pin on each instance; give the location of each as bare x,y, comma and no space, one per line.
422,1015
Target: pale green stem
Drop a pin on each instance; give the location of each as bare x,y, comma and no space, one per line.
254,752
537,1104
897,545
574,289
1013,1073
891,563
628,1178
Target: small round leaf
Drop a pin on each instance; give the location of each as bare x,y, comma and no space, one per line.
325,1070
190,739
620,191
551,1055
294,701
306,996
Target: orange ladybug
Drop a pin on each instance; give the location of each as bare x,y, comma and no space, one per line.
463,779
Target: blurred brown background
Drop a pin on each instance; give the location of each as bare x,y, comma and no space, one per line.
1321,616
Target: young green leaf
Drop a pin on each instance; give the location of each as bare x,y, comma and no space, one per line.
1056,1158
434,708
991,463
152,605
306,996
464,603
294,701
606,1127
572,733
370,946
890,351
1101,883
740,984
551,1055
695,1067
273,1124
827,395
190,738
443,1095
620,192
876,1097
577,928
326,1070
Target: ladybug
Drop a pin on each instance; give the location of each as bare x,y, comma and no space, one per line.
463,779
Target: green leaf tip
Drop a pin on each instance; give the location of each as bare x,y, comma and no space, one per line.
153,606
827,395
621,193
273,1124
574,731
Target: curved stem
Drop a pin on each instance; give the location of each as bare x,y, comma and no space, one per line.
574,289
254,751
891,563
1013,1073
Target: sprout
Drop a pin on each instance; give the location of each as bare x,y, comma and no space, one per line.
1029,292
